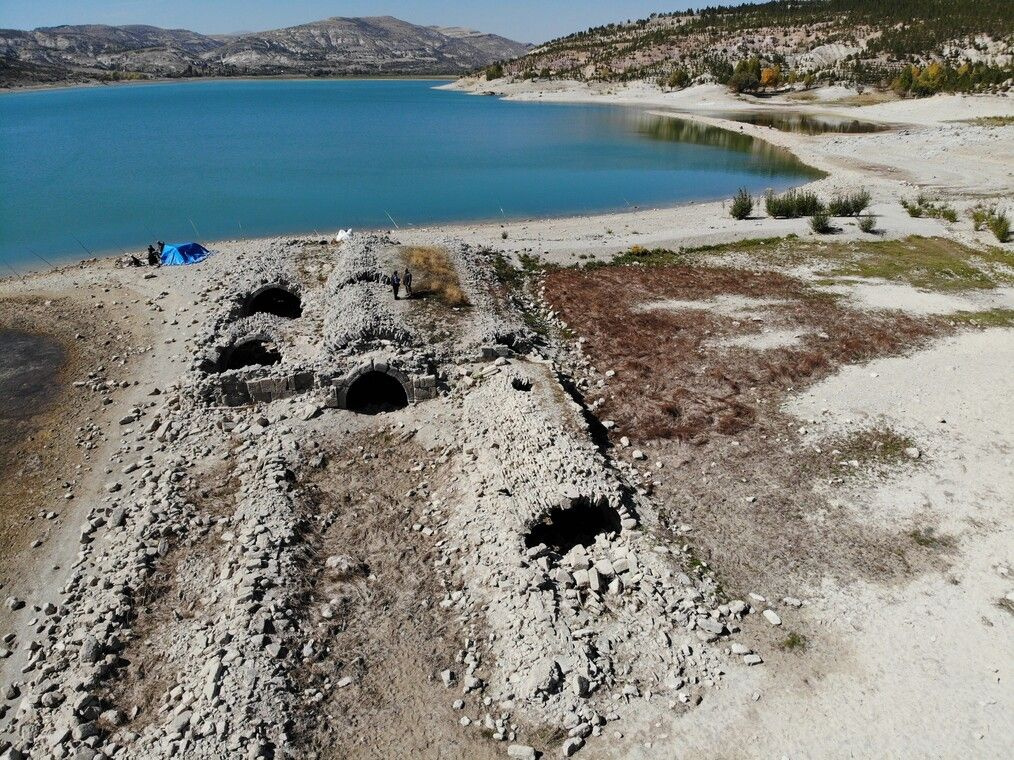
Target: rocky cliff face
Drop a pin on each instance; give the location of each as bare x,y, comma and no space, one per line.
334,46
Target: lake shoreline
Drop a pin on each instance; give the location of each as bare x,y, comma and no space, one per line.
528,164
696,223
60,86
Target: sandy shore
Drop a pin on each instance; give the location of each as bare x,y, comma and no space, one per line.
919,666
928,149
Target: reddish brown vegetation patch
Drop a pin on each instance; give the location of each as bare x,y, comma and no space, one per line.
759,502
669,384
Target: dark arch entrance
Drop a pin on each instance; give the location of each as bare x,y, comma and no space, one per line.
277,301
375,392
581,523
250,353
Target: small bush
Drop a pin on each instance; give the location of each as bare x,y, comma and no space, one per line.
742,204
820,223
793,642
979,216
914,209
793,204
923,206
850,204
999,225
867,224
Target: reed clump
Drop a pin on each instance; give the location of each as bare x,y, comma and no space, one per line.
850,204
434,275
793,204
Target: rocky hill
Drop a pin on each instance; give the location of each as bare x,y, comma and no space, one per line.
332,47
857,41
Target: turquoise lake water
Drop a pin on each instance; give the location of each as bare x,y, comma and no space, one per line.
113,168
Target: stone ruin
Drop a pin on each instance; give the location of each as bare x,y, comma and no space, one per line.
576,610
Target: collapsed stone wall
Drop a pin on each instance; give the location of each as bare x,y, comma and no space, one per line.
497,328
614,617
229,690
358,309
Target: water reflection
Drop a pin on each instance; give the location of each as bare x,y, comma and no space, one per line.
803,123
673,129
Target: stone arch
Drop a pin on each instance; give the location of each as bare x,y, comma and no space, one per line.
251,351
277,298
376,388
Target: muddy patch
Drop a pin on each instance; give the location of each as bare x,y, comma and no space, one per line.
30,377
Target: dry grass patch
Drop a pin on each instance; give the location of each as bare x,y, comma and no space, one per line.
874,449
934,264
871,98
794,642
383,627
991,121
669,384
736,468
434,275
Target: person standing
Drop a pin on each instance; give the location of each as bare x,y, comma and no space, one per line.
406,280
395,283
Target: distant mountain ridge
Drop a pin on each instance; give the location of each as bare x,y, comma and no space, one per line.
381,45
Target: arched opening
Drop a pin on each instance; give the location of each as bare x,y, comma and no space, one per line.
375,393
277,301
249,353
564,528
521,384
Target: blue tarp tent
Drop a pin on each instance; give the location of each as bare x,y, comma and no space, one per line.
178,254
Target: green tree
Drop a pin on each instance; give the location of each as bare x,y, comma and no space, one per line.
744,81
678,79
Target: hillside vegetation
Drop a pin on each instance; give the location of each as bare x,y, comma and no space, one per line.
916,46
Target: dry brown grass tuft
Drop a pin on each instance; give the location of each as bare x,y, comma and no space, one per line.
434,275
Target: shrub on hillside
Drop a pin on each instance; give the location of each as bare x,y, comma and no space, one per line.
742,204
980,215
793,204
867,224
820,223
914,209
678,79
999,225
849,204
923,206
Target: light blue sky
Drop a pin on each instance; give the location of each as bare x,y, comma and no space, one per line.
525,20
